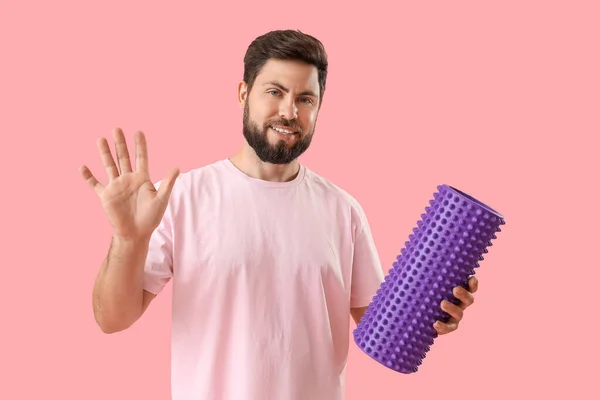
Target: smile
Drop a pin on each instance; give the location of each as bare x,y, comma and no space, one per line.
283,130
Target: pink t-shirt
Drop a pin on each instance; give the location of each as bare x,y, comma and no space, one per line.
264,275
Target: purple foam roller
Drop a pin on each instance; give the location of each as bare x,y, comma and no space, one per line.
444,251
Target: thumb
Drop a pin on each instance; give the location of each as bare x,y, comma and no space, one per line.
166,187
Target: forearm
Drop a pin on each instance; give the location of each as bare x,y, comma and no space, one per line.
118,289
358,313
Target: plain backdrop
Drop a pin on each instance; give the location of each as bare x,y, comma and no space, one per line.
499,99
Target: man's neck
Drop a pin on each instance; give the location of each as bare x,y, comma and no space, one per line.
248,162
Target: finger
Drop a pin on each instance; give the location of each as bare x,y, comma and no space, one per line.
107,159
455,311
122,151
91,180
473,284
466,298
141,152
166,186
444,328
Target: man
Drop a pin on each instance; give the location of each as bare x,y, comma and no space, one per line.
268,260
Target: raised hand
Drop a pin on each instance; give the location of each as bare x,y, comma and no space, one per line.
130,200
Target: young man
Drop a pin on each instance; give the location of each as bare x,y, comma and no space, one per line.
268,260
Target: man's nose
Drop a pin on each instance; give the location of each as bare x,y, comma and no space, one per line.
288,110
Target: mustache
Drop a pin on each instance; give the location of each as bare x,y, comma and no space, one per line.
284,123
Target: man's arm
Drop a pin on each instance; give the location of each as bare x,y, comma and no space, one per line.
119,299
357,313
367,272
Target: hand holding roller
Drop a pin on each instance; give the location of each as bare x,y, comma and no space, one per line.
452,236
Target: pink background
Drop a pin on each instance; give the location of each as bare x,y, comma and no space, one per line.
500,100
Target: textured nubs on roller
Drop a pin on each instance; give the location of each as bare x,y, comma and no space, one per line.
443,251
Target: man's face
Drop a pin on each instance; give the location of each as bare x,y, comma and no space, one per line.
280,112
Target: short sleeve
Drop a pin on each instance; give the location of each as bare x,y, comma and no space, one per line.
158,268
367,272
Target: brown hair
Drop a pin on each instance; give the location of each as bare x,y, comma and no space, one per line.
285,45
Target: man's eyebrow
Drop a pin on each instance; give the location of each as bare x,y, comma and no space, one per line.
280,86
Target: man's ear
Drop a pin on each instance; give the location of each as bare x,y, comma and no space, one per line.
242,93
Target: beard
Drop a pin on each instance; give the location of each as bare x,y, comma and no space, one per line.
279,153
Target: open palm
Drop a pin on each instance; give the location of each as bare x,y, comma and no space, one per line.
130,200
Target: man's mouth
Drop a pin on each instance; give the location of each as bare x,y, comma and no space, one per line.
283,130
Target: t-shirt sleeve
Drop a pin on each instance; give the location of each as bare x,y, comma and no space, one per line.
158,268
367,273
